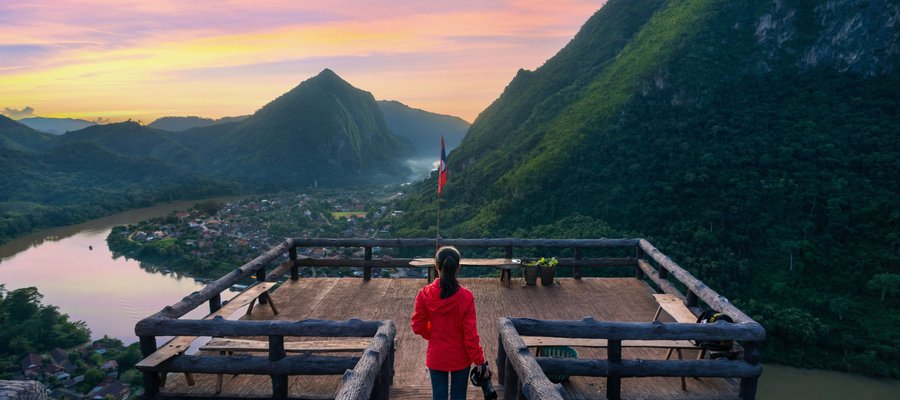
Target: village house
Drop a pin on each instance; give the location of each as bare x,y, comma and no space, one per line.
31,365
113,389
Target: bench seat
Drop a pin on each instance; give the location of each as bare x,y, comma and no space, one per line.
344,344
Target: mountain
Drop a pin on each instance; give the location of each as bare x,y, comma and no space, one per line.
18,137
753,141
424,129
134,140
324,131
55,126
179,124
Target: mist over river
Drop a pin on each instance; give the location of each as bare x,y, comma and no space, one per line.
112,294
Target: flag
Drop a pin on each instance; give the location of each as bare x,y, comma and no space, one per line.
442,171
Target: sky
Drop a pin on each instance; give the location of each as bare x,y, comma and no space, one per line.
140,60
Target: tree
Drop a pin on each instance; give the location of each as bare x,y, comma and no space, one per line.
886,284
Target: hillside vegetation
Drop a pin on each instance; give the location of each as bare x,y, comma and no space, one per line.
324,132
754,142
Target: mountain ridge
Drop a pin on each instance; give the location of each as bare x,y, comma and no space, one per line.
705,126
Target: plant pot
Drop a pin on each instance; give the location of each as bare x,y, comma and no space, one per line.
547,275
530,273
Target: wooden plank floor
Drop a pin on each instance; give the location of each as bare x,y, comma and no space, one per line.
612,299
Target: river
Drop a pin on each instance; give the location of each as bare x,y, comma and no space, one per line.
111,295
75,270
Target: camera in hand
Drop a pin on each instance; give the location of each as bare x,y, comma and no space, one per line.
478,379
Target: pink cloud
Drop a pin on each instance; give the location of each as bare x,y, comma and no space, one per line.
133,48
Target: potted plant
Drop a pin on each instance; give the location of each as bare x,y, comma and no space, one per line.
548,270
530,272
546,267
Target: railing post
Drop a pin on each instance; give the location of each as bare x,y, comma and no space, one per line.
151,379
501,359
295,269
367,270
215,303
511,387
663,272
691,300
639,255
751,356
614,381
261,277
576,270
276,352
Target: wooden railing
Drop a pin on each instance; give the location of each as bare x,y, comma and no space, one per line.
518,368
368,376
577,262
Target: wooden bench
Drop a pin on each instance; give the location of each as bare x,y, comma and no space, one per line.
179,344
229,346
671,304
312,346
505,265
675,307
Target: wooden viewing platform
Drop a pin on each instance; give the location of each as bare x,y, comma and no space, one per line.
621,352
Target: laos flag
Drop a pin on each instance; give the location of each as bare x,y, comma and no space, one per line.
442,171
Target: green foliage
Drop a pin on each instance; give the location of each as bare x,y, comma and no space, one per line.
26,325
773,183
543,262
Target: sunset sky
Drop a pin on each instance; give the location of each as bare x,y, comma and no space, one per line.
145,59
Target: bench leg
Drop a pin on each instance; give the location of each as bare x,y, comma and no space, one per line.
658,310
219,378
271,303
162,379
250,307
189,378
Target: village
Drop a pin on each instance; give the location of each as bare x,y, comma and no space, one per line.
212,238
99,370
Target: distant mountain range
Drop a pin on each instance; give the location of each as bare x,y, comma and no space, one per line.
754,141
324,132
178,124
56,126
424,128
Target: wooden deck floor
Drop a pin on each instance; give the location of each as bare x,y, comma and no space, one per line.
614,299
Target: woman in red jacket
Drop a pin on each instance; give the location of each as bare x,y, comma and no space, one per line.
445,316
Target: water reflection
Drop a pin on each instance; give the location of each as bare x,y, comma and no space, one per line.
108,292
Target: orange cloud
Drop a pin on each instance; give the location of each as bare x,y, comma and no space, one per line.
147,59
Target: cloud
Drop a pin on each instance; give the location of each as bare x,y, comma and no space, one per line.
13,113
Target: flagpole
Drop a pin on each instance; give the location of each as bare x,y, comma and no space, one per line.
437,236
442,170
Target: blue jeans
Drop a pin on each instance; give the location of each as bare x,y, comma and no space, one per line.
458,380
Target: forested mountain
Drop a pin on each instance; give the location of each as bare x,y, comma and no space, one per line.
55,126
178,124
756,142
323,131
131,139
18,137
424,129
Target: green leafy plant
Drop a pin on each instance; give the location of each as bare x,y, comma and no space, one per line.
543,262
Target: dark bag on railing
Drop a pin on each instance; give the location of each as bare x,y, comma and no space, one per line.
709,317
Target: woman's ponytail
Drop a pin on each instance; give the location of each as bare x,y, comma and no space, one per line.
446,260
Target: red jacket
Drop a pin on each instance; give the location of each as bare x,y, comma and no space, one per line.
449,327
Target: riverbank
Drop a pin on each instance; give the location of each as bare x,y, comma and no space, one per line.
210,240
